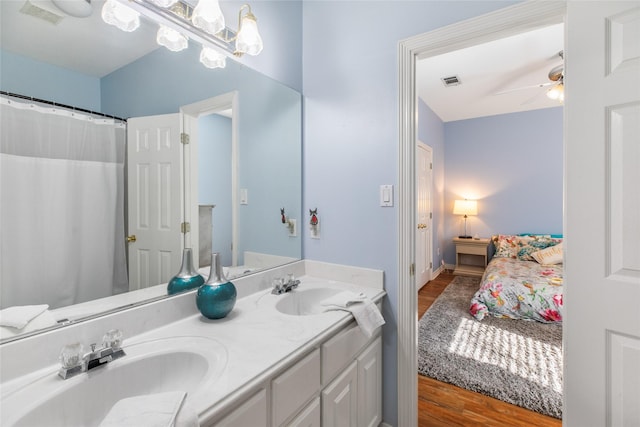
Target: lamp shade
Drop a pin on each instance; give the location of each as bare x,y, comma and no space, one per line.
248,39
120,16
465,207
208,16
171,39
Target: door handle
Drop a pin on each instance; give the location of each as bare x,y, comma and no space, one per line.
131,239
421,226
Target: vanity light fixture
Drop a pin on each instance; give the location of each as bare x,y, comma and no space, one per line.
123,17
248,39
164,3
204,24
211,58
208,16
171,39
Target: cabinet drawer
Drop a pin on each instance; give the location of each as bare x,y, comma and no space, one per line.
309,417
471,249
340,350
295,387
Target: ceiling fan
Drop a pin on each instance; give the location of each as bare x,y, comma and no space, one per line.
556,81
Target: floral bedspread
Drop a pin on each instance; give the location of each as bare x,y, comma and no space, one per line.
519,290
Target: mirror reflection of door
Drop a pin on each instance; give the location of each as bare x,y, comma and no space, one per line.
155,199
424,159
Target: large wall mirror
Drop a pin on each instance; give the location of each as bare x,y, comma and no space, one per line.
242,166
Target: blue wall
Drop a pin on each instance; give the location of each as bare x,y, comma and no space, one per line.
25,76
214,179
510,163
350,84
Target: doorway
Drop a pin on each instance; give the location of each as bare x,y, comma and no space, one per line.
502,23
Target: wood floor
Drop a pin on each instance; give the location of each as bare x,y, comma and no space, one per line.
442,404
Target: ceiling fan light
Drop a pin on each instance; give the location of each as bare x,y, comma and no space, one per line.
556,92
211,58
208,16
120,16
171,39
248,39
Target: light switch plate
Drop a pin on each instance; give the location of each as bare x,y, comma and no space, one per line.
386,195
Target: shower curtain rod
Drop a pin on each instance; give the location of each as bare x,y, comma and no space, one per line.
56,104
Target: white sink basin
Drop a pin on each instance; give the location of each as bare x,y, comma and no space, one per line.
304,302
191,364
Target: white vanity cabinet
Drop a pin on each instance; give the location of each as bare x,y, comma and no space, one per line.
337,383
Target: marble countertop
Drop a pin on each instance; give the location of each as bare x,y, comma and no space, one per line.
259,339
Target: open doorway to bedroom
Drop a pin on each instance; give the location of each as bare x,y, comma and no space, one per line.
497,139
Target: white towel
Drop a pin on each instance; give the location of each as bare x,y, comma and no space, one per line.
152,410
19,316
43,320
363,309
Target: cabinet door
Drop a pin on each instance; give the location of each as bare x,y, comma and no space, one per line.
339,400
253,413
370,385
309,417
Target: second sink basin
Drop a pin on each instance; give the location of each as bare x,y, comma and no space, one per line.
191,364
305,302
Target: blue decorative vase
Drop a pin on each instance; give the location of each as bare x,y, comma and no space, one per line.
187,278
216,298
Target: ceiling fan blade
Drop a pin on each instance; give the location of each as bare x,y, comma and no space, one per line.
539,85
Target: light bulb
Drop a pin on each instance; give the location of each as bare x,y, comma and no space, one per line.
556,92
120,16
248,39
171,39
164,3
211,58
208,16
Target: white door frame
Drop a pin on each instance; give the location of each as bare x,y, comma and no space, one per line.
502,23
191,113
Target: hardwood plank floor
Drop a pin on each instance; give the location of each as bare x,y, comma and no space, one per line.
441,404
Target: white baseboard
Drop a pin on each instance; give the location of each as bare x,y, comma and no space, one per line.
442,269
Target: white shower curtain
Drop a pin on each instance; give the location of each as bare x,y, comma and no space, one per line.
61,206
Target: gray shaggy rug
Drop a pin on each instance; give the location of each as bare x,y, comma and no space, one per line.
516,361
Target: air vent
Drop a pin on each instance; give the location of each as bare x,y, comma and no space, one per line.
40,13
451,81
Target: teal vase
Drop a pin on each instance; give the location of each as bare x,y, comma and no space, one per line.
187,278
216,298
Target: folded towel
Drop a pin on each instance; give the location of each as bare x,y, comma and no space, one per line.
152,410
344,299
363,309
43,320
19,316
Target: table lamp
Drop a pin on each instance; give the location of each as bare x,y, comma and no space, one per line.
465,207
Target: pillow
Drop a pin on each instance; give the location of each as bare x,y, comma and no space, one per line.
506,246
530,244
549,256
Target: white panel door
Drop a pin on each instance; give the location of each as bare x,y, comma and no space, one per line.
602,221
155,199
424,158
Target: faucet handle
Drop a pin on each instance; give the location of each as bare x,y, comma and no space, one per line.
71,355
112,339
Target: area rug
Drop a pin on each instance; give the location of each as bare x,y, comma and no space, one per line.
516,361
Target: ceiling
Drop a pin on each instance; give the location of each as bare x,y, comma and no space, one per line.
72,40
484,70
520,62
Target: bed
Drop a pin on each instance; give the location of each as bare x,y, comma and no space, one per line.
523,280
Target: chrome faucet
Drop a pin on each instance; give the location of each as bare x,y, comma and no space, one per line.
280,286
73,361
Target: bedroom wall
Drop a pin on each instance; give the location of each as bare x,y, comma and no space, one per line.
431,132
510,163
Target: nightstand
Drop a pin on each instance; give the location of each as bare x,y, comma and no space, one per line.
471,256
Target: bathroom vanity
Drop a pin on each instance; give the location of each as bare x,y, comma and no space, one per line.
274,360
